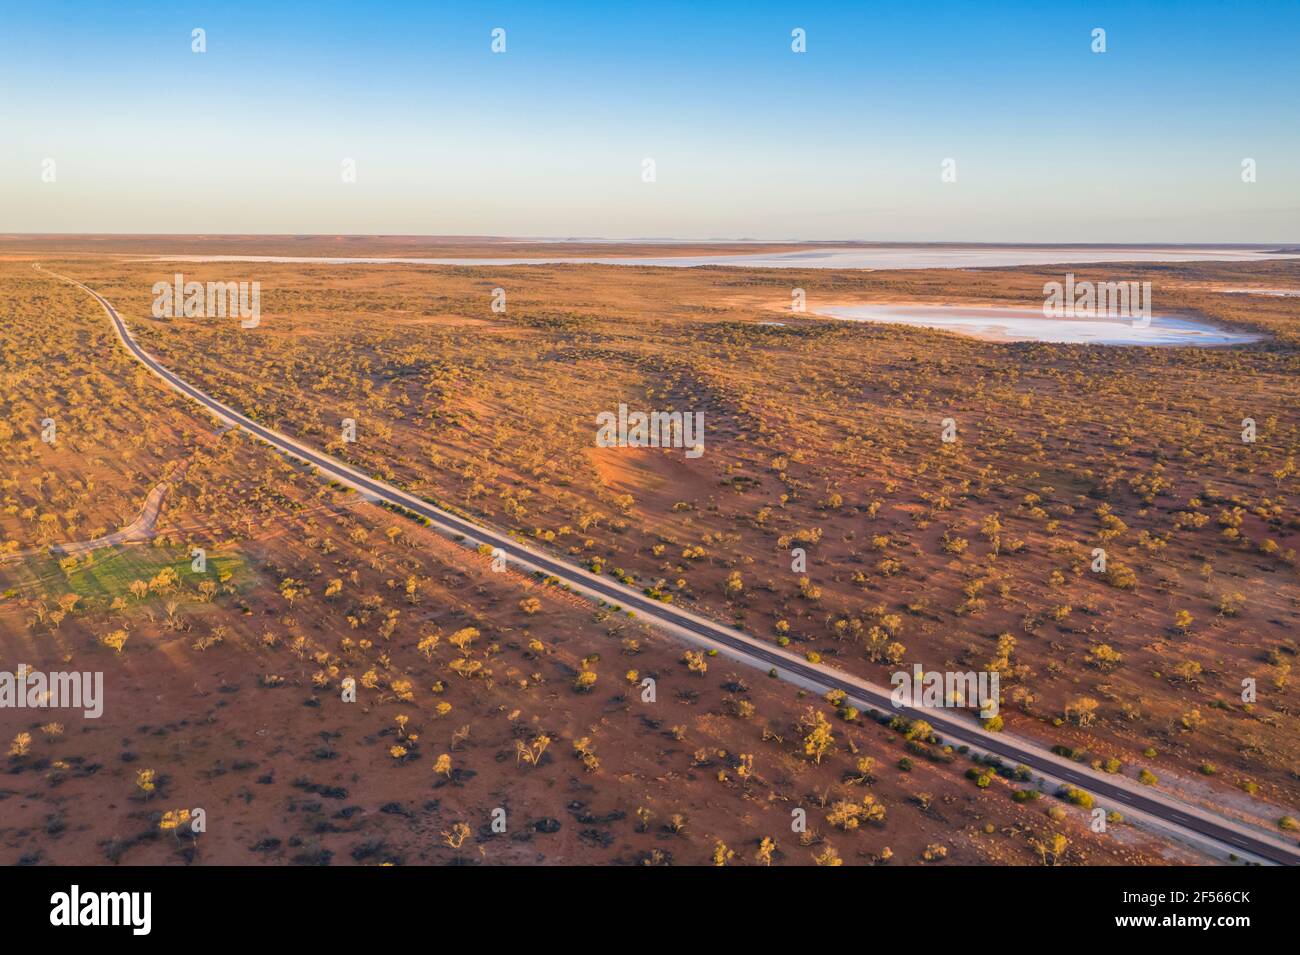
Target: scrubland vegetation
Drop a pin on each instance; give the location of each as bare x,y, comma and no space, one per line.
477,690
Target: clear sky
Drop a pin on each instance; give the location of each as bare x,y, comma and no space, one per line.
1052,142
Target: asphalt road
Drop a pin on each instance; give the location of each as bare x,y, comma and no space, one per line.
1112,792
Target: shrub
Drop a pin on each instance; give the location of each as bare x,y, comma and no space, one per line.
1077,797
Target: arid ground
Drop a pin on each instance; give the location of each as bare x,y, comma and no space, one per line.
480,691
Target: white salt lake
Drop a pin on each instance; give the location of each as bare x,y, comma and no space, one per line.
861,257
1029,325
1273,292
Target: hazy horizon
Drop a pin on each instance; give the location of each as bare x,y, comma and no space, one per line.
654,239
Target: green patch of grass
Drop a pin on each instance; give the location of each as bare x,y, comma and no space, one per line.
108,573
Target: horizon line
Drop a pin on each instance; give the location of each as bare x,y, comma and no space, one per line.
715,240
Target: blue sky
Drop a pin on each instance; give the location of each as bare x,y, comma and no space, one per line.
1052,142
